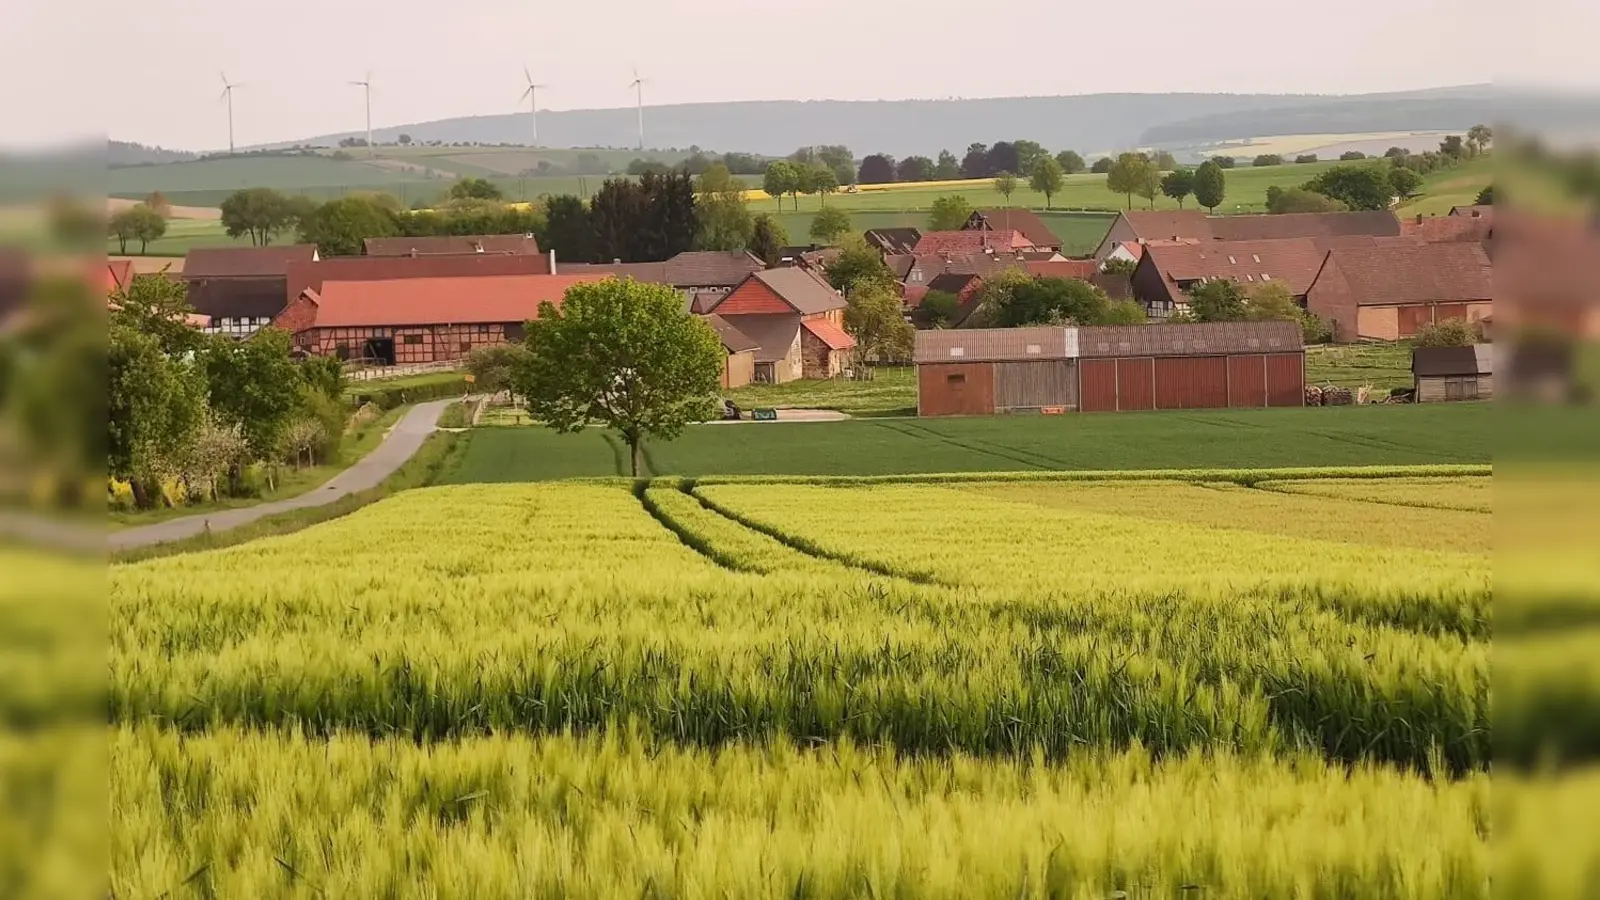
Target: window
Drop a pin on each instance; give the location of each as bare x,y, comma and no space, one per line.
957,378
483,329
1265,277
1256,257
1250,278
1232,261
411,339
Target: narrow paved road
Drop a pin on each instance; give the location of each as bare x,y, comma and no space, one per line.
368,472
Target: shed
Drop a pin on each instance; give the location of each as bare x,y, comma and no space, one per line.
1453,373
1123,367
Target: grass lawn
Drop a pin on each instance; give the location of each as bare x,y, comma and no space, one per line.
427,379
291,482
1340,436
1383,366
1451,187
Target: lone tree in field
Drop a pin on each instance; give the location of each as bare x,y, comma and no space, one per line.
1005,184
1210,185
1047,178
1132,174
1178,184
623,354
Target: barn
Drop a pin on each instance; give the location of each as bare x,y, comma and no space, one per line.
1453,373
1105,368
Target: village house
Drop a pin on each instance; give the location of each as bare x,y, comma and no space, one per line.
314,273
453,245
1024,221
1168,270
241,289
419,320
1453,373
797,320
1389,290
1145,226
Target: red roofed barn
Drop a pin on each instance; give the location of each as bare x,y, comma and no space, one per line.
1388,292
796,320
419,320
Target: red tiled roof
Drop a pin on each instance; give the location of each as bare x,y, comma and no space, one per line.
245,262
696,268
829,334
1407,272
970,241
309,274
1025,221
801,289
1154,225
1068,268
912,294
452,245
439,301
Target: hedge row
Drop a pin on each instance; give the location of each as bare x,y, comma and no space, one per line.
394,395
1236,476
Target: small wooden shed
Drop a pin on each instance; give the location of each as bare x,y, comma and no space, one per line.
1453,373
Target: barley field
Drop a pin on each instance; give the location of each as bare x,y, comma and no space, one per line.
1272,683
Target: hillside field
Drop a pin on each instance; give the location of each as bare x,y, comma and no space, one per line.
1099,688
1321,436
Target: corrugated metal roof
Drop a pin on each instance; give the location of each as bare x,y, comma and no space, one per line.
992,344
1190,339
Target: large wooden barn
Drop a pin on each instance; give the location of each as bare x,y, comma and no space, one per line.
1104,368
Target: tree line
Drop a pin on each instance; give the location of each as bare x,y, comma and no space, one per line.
211,415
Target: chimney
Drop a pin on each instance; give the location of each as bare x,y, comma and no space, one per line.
1419,218
552,261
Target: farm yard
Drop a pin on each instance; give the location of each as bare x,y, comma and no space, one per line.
784,689
1347,436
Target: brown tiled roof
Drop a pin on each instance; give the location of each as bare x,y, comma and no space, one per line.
439,301
900,264
951,283
245,262
774,334
1024,220
711,268
802,290
1406,272
1067,268
733,340
1292,262
1376,223
652,272
969,241
1116,287
236,298
1192,224
452,245
152,265
893,240
1479,211
829,334
1190,339
1442,229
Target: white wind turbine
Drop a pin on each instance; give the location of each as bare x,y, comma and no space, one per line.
227,94
366,87
638,86
532,96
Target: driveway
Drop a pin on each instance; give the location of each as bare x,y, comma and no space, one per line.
368,472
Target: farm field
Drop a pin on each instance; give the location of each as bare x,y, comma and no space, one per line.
1456,433
781,690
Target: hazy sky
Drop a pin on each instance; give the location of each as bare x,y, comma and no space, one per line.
151,74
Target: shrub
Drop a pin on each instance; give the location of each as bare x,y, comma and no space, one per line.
1306,158
1268,159
1351,156
1449,333
387,398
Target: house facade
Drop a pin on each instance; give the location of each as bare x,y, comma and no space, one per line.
796,320
241,289
1168,270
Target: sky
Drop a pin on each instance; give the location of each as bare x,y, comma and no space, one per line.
149,72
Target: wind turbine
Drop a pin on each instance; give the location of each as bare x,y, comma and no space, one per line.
638,86
227,94
532,94
366,87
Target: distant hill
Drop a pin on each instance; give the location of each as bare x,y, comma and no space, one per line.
1088,123
123,153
